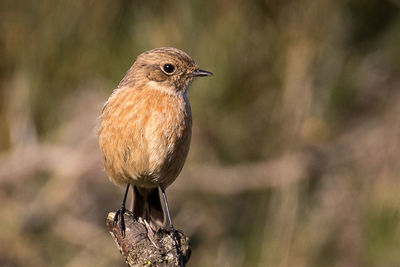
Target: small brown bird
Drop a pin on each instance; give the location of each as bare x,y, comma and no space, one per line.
146,128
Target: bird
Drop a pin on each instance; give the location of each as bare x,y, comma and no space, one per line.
145,131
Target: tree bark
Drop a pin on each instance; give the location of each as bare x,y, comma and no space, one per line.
142,246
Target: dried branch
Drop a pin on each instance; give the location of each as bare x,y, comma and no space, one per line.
142,246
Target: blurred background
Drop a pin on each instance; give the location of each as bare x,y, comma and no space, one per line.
295,152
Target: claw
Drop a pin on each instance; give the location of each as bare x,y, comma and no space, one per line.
120,213
177,238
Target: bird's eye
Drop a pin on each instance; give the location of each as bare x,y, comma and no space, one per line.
168,68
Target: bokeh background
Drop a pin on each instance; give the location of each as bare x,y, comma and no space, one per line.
295,153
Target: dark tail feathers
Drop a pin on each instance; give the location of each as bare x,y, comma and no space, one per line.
147,204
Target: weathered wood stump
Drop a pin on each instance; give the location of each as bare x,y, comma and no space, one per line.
142,246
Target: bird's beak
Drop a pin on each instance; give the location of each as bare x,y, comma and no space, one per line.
201,73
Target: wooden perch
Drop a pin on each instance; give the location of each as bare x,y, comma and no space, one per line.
142,246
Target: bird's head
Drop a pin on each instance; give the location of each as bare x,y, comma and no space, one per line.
165,68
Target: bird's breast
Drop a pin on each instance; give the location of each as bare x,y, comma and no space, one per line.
145,136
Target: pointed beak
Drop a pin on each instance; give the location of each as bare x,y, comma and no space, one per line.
201,73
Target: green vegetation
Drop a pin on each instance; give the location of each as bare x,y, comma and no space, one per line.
305,95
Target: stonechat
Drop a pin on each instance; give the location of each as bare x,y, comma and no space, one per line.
145,130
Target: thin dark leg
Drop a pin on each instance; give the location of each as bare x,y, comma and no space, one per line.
120,213
172,229
167,208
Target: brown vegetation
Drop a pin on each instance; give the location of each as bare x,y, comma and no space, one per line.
295,150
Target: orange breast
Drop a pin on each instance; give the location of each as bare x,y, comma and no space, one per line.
145,136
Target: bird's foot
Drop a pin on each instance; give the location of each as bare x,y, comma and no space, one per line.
175,233
176,236
119,216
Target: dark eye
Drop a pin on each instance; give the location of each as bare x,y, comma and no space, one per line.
168,68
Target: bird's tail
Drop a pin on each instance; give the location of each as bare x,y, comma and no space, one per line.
147,205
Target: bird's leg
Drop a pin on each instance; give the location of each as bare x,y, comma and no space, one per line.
171,227
167,208
120,213
175,233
